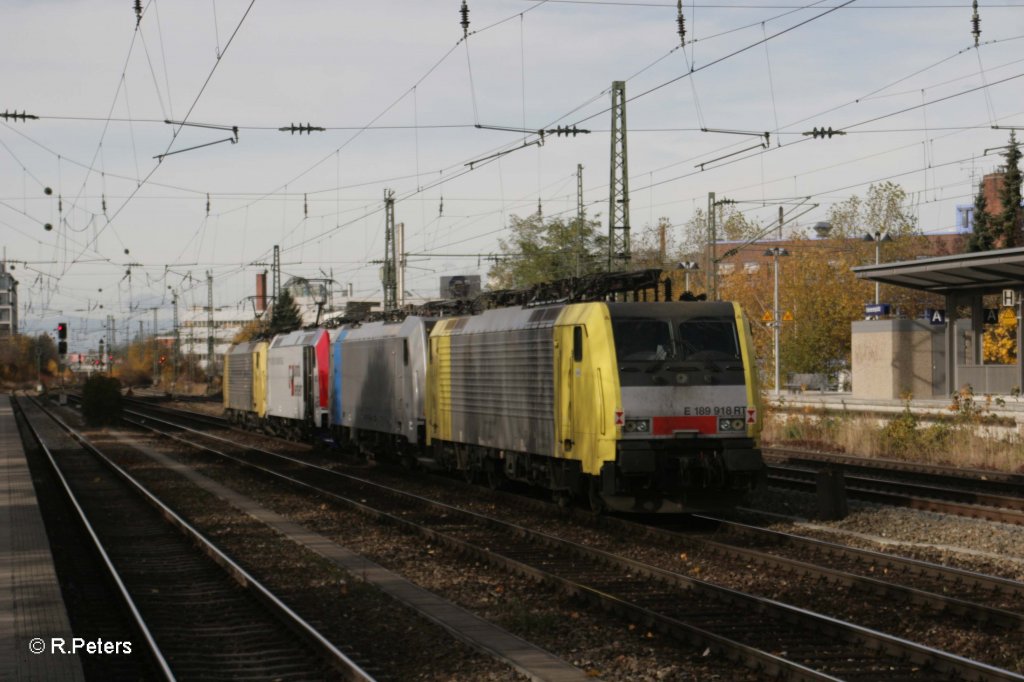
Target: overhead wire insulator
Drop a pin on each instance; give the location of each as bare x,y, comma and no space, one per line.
464,11
300,128
824,132
680,23
15,116
207,205
305,205
103,203
564,130
138,12
976,23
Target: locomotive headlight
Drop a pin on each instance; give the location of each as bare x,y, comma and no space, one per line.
737,425
637,426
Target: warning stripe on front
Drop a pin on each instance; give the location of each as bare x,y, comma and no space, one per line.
666,426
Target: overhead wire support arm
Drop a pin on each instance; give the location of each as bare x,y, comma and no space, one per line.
232,129
557,131
760,145
472,164
754,133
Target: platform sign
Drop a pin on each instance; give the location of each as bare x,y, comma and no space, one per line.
991,316
1009,298
936,315
876,309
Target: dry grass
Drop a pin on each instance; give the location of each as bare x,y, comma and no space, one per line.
965,438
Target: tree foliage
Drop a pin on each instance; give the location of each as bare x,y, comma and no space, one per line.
286,316
540,250
818,287
1010,223
982,238
883,211
999,341
21,355
101,400
1005,229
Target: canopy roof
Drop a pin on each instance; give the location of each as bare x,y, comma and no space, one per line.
980,273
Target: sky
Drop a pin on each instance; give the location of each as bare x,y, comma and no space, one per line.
140,209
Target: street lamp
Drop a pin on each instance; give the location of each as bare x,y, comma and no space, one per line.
877,238
775,252
686,266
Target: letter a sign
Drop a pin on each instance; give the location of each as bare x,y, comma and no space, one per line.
936,316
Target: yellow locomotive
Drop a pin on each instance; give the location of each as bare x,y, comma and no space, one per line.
640,407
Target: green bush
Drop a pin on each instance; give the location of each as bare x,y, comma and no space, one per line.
101,400
900,436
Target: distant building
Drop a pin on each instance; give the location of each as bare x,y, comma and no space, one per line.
8,302
194,331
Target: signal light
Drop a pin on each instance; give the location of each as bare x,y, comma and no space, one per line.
62,347
62,330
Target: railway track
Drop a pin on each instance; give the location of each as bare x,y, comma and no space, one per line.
201,615
981,480
764,634
896,492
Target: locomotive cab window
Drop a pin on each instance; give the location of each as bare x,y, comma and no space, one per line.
705,338
642,339
577,344
405,352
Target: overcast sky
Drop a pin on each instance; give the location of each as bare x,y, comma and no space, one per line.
400,92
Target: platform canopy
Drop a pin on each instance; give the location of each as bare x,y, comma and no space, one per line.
977,273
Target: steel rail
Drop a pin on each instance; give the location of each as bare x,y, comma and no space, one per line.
982,477
868,490
335,657
122,589
956,666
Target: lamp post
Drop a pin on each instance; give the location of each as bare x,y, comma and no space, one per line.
775,252
686,266
877,238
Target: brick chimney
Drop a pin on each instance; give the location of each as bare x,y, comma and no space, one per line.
261,292
991,185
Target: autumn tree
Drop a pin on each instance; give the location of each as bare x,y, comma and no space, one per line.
540,250
250,330
999,341
883,211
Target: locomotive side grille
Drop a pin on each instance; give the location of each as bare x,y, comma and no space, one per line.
502,389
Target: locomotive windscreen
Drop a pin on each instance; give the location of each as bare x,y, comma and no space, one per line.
661,345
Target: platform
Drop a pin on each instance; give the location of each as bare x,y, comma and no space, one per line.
31,604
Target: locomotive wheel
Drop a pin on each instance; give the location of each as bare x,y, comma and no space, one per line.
495,479
597,504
